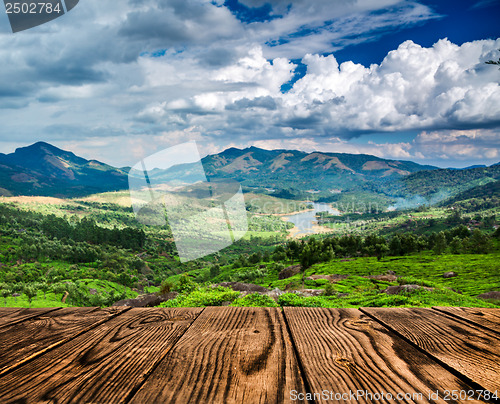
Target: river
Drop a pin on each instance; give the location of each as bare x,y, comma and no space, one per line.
305,221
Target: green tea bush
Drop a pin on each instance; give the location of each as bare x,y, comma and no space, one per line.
254,300
249,275
293,299
202,297
186,284
329,290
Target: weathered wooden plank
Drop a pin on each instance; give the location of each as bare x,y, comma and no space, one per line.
24,341
13,315
472,352
485,317
344,352
104,365
229,355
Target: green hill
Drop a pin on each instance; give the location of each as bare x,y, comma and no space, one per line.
449,181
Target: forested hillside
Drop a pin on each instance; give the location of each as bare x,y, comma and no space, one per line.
449,181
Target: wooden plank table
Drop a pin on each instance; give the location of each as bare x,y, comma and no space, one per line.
249,355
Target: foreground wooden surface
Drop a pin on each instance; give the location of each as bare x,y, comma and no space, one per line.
249,355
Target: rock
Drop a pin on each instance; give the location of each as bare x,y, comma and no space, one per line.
149,300
386,278
275,293
316,277
310,292
391,273
289,271
92,291
455,290
450,274
494,294
396,290
243,287
331,278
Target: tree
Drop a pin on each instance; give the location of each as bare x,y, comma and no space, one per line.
440,243
456,245
125,280
255,258
214,270
30,292
395,246
328,254
292,250
44,287
306,260
381,250
279,254
479,243
16,289
5,294
59,288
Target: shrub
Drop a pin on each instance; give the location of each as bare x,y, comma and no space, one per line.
329,289
249,275
293,299
255,300
165,287
202,297
186,284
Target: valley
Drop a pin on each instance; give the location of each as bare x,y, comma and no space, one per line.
375,250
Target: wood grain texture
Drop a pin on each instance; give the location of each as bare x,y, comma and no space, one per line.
104,365
229,355
13,315
343,351
470,351
485,317
24,341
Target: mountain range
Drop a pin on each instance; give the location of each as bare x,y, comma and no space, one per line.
43,169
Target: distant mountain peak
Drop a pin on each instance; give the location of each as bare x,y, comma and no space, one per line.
44,169
41,146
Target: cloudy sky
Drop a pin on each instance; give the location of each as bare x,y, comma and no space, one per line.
119,80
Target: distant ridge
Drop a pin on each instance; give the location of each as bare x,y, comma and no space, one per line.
42,169
469,167
45,170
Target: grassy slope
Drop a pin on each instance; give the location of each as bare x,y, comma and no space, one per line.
476,274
